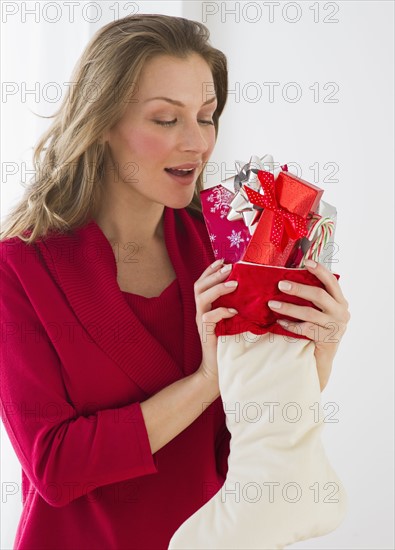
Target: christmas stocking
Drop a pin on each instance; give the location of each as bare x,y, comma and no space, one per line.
280,487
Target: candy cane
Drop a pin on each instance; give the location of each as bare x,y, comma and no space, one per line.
319,233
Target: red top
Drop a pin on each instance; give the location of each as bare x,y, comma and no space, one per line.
79,357
162,316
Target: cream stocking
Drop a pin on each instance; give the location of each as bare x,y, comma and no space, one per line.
280,487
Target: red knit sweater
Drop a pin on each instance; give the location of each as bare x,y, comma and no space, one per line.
78,357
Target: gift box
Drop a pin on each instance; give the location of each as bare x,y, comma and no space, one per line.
229,239
229,217
286,202
271,217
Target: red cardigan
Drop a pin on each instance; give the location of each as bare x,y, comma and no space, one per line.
76,362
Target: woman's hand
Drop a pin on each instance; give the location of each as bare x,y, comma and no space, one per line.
208,288
325,327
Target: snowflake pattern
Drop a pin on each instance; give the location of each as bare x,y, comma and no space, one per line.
235,238
220,197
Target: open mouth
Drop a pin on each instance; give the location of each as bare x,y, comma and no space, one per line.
183,172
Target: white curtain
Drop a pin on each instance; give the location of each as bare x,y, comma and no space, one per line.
311,83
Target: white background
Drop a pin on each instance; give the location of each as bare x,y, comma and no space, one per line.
342,47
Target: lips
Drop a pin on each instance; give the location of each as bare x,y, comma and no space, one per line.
179,172
183,169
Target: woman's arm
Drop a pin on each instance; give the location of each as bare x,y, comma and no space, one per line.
174,408
66,454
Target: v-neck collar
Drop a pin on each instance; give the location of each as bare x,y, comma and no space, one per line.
132,296
84,266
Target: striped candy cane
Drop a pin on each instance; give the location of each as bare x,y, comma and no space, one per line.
319,233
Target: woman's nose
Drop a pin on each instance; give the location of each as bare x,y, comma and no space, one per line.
192,138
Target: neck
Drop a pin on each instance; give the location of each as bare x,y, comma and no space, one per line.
138,222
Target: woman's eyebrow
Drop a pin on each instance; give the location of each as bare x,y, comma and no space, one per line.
175,102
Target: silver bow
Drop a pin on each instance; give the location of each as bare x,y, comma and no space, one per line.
241,207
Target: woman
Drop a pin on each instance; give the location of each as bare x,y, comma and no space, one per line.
109,385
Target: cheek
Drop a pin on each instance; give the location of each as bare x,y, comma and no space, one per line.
148,145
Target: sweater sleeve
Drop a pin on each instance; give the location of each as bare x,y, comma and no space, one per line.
64,454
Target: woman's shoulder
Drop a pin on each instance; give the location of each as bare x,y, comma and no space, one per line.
12,247
16,250
19,254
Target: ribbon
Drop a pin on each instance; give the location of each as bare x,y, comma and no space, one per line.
246,177
286,225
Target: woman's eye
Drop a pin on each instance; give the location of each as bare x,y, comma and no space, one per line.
165,122
171,122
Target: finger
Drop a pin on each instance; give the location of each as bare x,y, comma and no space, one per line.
206,298
327,277
218,273
305,313
320,297
215,315
212,268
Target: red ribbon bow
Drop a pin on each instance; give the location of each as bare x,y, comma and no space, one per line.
286,225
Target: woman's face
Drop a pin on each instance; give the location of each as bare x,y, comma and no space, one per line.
155,136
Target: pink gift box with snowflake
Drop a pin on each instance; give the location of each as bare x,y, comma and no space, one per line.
229,239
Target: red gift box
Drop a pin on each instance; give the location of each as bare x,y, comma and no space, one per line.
229,239
286,208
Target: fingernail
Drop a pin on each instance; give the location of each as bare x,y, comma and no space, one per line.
226,268
232,310
231,283
217,263
283,285
274,304
310,263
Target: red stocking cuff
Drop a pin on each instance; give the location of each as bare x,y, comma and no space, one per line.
257,285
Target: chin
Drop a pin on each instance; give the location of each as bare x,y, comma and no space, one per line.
179,206
179,203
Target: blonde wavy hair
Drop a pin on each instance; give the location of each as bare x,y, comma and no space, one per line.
69,158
